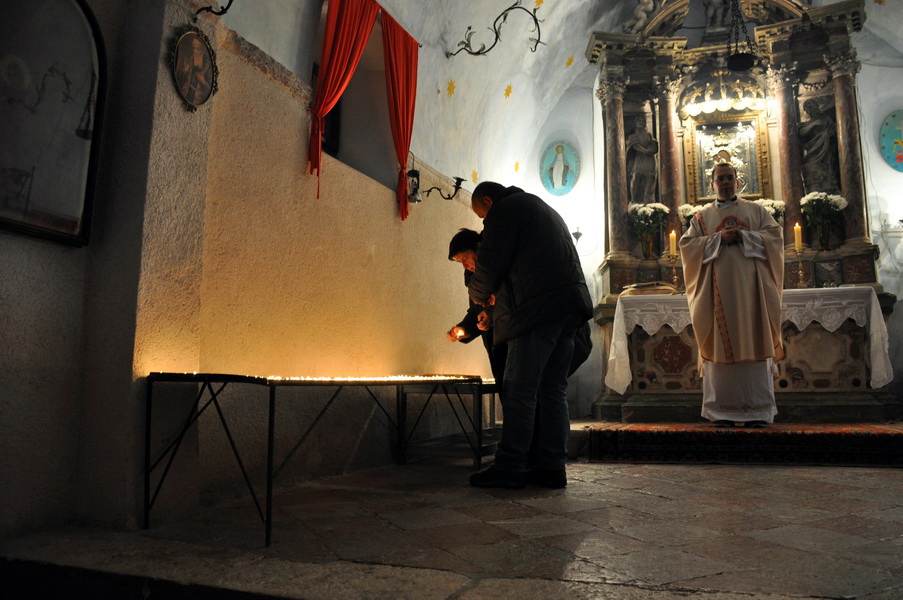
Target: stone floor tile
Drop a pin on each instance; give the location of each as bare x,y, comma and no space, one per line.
729,521
666,507
668,533
543,525
887,556
728,500
426,517
517,558
744,552
376,546
837,577
894,514
595,544
661,566
748,582
614,517
566,503
499,511
357,525
810,539
864,527
793,513
463,534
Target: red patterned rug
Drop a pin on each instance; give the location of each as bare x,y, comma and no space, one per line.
780,443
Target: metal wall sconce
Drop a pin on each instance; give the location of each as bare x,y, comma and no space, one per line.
467,45
456,189
414,187
577,235
222,10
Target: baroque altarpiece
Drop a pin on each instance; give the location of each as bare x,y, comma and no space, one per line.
672,109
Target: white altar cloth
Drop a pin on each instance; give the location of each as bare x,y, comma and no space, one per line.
828,306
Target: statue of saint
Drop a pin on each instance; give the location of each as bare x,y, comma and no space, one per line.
714,14
818,139
642,171
641,14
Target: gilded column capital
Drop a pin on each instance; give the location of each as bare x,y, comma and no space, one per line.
610,89
666,88
843,64
780,76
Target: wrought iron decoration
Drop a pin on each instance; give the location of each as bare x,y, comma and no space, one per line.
466,45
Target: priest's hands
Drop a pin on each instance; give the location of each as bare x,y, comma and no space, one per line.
730,235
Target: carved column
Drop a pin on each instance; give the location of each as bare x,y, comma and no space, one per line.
843,69
781,82
669,149
611,94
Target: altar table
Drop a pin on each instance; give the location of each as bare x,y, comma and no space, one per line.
828,306
212,384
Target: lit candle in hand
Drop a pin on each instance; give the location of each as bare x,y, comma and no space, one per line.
797,238
459,332
673,240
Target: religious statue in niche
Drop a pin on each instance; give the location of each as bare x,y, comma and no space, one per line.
818,139
714,14
641,15
642,171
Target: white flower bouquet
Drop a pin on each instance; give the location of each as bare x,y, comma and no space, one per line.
646,219
820,207
774,207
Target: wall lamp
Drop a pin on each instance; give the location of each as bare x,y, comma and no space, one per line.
414,185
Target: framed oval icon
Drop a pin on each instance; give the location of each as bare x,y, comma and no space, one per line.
559,168
194,67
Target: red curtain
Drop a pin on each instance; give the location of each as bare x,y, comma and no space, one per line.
401,83
348,27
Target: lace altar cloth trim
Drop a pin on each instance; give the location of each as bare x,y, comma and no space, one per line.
828,306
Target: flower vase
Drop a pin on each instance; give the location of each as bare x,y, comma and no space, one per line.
648,242
823,235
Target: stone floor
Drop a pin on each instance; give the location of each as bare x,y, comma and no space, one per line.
620,531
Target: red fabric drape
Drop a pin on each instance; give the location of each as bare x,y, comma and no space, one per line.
348,27
401,83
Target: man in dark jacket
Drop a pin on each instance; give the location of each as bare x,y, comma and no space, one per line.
528,265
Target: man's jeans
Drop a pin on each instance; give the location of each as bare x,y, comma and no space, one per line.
537,372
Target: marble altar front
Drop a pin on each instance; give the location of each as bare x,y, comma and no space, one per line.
835,341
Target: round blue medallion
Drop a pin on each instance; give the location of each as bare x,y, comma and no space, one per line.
890,139
559,168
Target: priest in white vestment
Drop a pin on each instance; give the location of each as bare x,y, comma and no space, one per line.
733,261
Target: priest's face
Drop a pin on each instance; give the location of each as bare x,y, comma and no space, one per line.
724,182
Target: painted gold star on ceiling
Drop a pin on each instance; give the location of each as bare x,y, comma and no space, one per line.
474,177
538,3
516,166
569,61
451,87
508,91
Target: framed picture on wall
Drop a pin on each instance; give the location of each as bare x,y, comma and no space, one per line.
52,83
739,139
194,67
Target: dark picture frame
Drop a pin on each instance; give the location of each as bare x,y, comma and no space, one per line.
194,69
52,89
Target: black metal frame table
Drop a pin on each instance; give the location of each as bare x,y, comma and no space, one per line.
212,384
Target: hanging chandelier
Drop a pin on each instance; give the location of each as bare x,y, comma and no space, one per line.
722,91
739,58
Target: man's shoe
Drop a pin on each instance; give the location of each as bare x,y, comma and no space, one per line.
550,478
494,478
756,424
723,423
